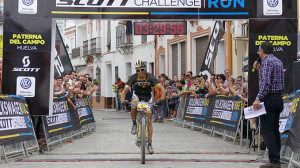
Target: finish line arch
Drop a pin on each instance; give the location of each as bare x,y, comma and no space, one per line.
29,28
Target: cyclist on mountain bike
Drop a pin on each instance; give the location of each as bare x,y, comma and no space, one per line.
141,84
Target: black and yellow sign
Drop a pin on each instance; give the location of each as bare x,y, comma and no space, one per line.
282,33
27,41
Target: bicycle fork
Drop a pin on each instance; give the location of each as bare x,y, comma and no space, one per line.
138,143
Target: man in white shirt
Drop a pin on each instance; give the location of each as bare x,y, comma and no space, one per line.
228,74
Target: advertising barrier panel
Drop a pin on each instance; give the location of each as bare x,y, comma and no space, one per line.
292,128
62,120
15,122
224,112
196,109
84,111
65,118
219,111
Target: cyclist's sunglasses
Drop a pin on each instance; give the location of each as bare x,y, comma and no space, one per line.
140,70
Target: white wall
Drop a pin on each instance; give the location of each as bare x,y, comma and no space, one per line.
108,79
81,32
220,59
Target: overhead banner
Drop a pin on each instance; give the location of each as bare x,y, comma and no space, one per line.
121,9
212,49
220,111
132,4
15,122
62,120
282,33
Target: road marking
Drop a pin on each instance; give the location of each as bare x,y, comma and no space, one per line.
137,160
160,153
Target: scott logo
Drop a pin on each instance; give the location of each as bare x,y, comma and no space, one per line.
26,69
26,61
90,3
25,83
272,3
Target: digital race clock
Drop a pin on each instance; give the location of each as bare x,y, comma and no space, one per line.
160,28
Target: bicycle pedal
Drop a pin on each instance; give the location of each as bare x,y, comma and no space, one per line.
138,143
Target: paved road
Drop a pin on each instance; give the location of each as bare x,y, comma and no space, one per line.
113,146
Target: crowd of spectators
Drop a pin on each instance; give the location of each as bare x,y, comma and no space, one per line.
72,85
225,84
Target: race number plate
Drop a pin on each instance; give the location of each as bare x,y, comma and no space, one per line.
142,107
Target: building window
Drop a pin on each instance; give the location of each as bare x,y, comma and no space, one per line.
201,47
183,58
174,68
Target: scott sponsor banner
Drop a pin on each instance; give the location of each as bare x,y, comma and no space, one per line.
131,3
220,111
84,111
152,3
131,9
61,121
15,122
212,49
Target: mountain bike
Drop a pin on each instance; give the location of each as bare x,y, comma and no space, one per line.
143,110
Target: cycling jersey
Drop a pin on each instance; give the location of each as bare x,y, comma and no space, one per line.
142,87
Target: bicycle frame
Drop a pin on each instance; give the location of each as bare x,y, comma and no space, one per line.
143,109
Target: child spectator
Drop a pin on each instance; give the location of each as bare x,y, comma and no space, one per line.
171,102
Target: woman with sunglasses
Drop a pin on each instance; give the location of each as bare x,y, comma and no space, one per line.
141,84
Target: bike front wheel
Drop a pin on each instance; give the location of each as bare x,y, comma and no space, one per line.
143,140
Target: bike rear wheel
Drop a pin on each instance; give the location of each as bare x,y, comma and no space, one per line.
143,140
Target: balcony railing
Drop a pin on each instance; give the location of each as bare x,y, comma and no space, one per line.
85,48
77,52
95,45
121,36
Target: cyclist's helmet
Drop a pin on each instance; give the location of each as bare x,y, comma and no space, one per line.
139,64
